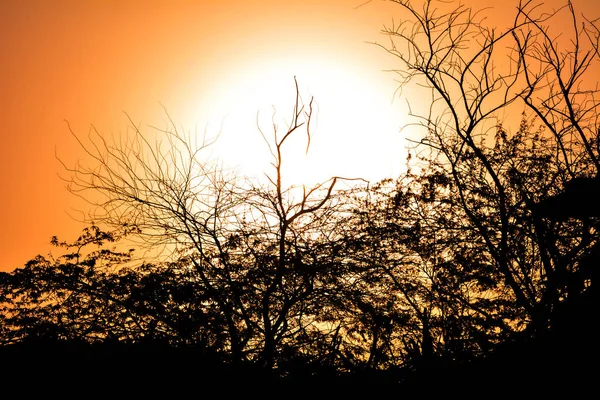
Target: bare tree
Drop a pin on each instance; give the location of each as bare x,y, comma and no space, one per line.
262,251
178,200
558,86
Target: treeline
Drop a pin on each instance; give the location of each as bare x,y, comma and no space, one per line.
472,269
383,282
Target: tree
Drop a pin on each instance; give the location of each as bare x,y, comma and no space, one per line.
72,297
487,178
261,254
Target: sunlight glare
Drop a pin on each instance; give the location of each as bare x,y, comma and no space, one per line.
354,130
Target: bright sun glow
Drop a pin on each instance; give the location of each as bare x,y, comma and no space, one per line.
354,131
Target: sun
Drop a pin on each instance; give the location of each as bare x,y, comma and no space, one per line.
354,131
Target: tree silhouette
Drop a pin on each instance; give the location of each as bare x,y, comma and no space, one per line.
261,254
498,185
472,268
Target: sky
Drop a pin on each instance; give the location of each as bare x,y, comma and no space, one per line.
213,66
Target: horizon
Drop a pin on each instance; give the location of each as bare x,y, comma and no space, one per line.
212,66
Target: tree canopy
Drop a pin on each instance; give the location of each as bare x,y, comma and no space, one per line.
472,268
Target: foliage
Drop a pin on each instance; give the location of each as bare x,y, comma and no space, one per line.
462,257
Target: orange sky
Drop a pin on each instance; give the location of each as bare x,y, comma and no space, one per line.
209,63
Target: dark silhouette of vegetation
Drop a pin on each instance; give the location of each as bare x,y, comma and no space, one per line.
469,272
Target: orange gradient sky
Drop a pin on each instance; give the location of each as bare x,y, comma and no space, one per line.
213,65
